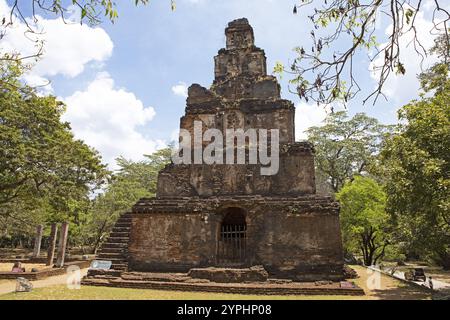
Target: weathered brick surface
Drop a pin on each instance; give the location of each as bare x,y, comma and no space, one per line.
295,177
298,238
230,275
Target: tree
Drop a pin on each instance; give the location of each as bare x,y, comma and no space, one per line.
42,165
436,77
364,222
345,146
134,180
417,168
325,75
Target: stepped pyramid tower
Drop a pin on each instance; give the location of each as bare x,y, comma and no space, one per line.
232,215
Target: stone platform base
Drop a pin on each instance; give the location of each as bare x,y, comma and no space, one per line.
230,275
45,273
184,282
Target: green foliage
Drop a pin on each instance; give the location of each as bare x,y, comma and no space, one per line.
436,77
409,13
45,173
417,168
364,222
278,69
346,146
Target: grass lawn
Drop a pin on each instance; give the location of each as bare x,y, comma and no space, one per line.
389,289
60,292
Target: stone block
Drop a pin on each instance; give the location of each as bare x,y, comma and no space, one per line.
230,275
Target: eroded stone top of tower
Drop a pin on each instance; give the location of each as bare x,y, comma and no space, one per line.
240,72
239,34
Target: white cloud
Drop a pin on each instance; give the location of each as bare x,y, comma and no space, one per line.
68,47
403,88
306,116
109,118
4,9
180,89
42,84
105,117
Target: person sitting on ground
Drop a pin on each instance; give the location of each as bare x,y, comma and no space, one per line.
17,267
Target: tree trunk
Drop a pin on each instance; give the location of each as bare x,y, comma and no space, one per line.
369,247
99,237
445,261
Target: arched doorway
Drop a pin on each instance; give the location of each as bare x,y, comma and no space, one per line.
232,239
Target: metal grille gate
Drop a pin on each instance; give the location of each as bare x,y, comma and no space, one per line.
232,243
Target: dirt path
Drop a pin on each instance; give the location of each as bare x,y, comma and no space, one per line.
379,286
437,284
8,286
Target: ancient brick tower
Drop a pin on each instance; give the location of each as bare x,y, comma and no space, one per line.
231,215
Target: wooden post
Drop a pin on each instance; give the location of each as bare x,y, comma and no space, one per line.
62,244
52,244
37,241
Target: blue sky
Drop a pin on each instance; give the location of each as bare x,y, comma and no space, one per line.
119,80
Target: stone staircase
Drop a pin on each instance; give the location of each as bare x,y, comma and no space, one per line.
115,248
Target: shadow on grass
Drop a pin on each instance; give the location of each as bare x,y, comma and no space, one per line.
402,292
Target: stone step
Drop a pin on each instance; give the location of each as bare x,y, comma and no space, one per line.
115,261
94,282
107,277
110,244
120,266
99,272
121,229
162,277
112,256
125,215
119,234
114,245
118,240
123,224
111,250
